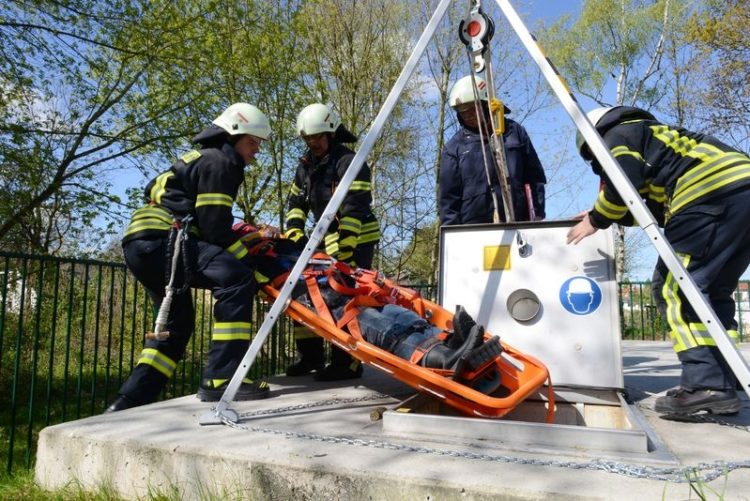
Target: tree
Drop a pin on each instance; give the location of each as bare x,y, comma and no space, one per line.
719,32
69,70
620,43
354,63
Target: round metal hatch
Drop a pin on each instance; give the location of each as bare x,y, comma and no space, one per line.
523,305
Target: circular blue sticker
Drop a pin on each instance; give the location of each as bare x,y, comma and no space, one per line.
580,295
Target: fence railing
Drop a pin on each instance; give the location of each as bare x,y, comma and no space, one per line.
71,331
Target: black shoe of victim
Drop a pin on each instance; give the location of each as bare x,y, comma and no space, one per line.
462,325
441,356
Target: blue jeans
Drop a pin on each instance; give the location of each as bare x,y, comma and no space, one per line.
395,329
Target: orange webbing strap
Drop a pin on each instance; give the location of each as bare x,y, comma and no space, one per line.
341,288
423,348
317,299
351,311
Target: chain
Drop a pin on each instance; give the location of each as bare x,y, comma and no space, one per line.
322,403
703,472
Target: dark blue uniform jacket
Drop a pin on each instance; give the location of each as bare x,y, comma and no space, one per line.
465,196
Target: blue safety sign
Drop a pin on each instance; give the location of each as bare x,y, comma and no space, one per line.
580,295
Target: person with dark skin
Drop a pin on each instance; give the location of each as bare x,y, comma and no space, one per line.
469,182
698,190
197,194
351,237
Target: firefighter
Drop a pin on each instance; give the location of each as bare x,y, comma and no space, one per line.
466,196
698,189
201,185
351,237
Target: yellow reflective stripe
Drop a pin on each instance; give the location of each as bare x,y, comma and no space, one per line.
632,121
157,360
231,331
350,241
608,209
294,234
260,278
302,332
360,186
370,233
137,226
366,238
657,193
714,171
709,165
152,211
349,223
701,335
680,332
149,217
295,214
159,187
332,243
619,151
190,156
713,183
296,190
237,249
213,199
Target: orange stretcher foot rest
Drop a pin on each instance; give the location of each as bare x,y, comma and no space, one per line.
520,375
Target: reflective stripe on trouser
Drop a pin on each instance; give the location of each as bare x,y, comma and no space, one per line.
713,241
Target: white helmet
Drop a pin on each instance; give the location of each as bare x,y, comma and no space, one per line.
243,118
315,119
594,116
463,91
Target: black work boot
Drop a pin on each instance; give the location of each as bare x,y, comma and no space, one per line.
342,366
462,325
441,356
121,404
684,402
310,357
211,390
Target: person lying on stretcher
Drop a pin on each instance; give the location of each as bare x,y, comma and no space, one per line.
390,327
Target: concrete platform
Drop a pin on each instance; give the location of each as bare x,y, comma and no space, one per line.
314,440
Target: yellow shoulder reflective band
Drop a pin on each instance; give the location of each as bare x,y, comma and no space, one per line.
204,199
295,189
159,187
190,156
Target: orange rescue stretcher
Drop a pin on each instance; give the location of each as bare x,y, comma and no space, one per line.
520,375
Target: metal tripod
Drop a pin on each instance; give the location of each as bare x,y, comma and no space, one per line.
223,413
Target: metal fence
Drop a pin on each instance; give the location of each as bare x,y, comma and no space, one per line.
72,329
